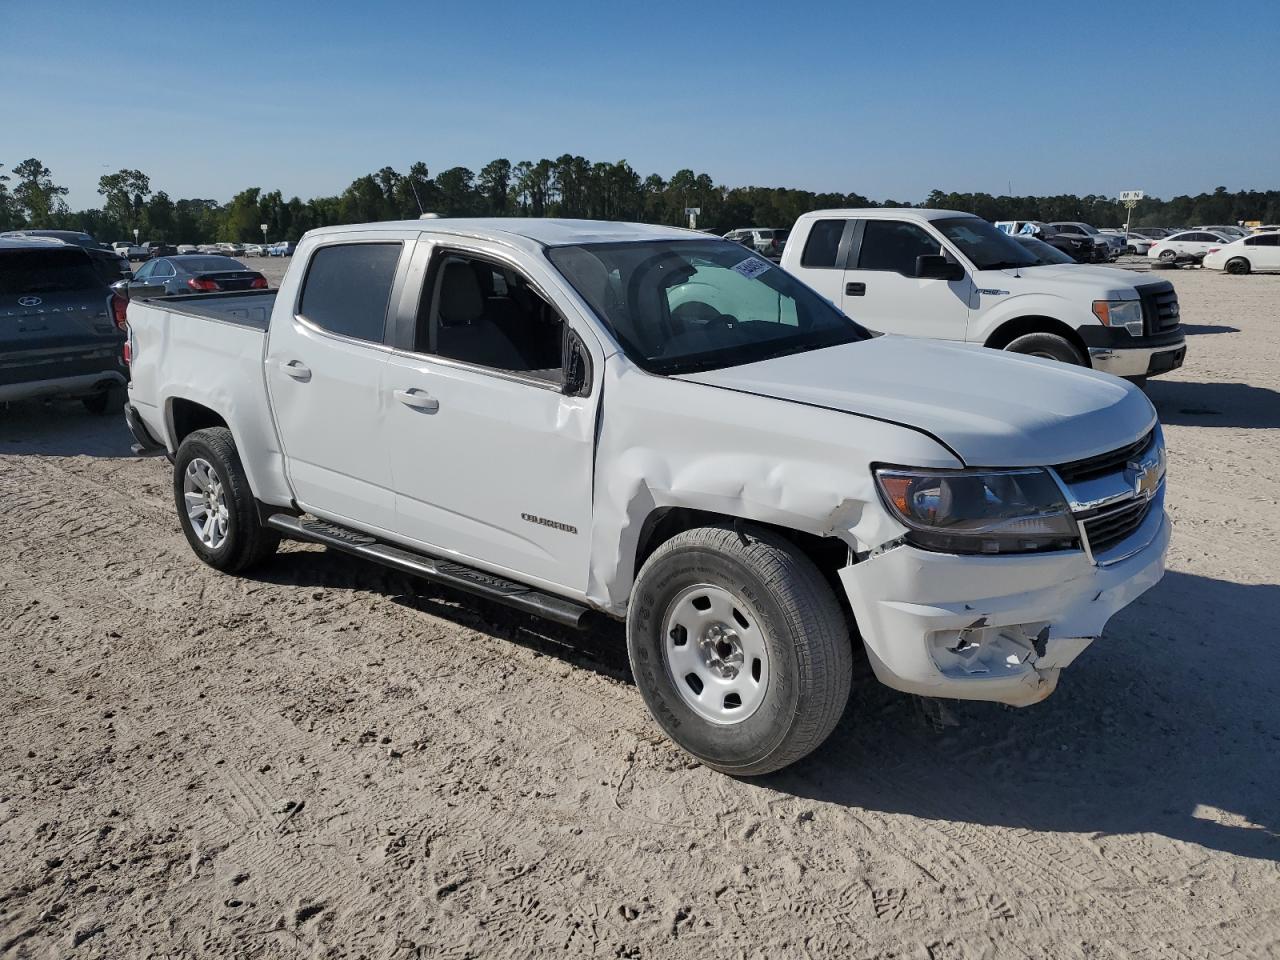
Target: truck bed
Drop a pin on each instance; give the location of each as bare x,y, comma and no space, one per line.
244,308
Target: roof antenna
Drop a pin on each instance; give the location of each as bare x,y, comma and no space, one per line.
416,199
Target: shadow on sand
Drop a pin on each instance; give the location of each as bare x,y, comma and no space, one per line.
61,428
1183,403
1162,727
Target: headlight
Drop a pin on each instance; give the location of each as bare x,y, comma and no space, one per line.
1120,313
988,511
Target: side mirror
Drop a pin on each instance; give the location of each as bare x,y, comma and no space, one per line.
935,266
121,287
576,364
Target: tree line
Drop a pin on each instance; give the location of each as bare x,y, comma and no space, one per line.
569,186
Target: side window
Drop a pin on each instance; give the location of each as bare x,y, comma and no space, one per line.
823,244
144,271
163,269
348,287
487,314
894,245
1267,240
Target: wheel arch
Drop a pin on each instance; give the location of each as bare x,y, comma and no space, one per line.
828,553
184,416
1010,330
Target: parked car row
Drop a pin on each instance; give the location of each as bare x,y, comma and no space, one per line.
768,241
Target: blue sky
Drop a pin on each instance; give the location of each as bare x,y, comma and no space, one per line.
886,99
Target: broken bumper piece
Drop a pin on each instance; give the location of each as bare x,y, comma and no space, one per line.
1007,648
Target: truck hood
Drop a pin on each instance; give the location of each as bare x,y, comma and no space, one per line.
1089,282
993,409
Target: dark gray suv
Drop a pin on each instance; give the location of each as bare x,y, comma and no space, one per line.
61,331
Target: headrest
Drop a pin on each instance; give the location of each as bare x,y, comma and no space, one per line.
461,300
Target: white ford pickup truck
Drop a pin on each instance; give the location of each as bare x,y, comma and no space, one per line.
652,424
954,276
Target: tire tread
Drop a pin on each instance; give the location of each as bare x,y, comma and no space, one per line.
810,608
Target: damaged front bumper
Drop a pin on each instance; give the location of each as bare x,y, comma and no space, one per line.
925,633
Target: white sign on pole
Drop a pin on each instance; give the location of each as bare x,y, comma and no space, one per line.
1127,195
692,214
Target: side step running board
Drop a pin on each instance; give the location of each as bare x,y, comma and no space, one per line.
447,572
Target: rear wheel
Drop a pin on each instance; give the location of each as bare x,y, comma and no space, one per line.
1168,256
105,402
1239,266
215,505
739,648
1047,345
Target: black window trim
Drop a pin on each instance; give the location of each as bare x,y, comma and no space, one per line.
397,283
842,245
436,252
856,255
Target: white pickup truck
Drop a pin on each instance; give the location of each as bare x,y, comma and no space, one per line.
652,424
953,276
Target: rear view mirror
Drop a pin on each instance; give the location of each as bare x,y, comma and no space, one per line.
937,267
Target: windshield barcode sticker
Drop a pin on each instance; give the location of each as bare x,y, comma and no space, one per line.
752,267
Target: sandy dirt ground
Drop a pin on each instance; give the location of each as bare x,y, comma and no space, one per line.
330,760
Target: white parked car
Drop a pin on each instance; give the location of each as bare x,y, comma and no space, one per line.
1259,252
953,276
1136,243
664,428
1189,246
255,250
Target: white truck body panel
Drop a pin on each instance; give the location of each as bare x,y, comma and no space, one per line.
516,478
976,307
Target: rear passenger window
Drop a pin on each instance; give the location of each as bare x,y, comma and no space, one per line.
348,287
894,245
823,245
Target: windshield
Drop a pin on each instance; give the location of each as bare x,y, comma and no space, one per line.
987,247
677,306
1044,252
47,271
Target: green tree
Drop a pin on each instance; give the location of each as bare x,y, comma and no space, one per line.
125,194
457,192
37,197
9,217
494,184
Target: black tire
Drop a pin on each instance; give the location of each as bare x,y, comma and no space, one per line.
247,542
105,402
1169,256
804,631
1238,266
1048,345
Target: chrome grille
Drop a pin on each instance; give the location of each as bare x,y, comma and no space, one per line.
1160,311
1110,526
1113,461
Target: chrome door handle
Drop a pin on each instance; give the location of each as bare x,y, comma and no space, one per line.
296,369
419,400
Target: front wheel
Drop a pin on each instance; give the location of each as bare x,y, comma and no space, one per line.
739,648
215,505
1047,345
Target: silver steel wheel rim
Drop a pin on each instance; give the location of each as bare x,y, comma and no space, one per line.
206,502
716,654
